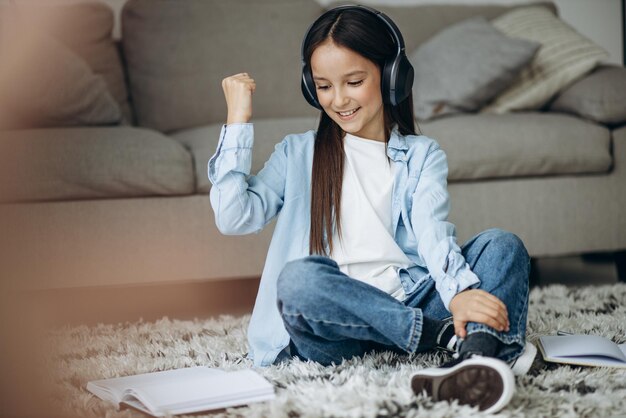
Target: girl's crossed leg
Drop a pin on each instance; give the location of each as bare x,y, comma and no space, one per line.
330,316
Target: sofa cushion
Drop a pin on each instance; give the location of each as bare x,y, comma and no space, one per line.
91,163
43,83
520,144
178,52
202,142
478,146
564,56
600,97
85,27
620,134
490,61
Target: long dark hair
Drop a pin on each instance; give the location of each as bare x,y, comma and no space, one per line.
367,35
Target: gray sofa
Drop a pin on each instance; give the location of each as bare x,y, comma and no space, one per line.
126,202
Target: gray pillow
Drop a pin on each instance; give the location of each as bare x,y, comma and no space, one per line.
43,83
599,96
464,66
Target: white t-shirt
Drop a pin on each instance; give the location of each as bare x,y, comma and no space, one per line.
368,251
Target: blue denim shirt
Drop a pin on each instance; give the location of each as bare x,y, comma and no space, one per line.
245,203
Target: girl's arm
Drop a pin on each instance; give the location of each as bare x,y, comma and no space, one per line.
242,203
435,235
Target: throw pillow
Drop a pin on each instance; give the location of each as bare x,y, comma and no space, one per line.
86,27
464,66
600,96
564,56
43,83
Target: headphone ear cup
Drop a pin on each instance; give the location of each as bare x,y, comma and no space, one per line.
397,84
386,82
404,79
308,87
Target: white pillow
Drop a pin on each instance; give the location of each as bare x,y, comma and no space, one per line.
564,56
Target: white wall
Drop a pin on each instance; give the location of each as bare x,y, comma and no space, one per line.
599,20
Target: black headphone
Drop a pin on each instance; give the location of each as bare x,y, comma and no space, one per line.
397,74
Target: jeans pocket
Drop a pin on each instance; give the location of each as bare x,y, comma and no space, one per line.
408,283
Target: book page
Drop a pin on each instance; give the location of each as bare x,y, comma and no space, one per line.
584,349
134,404
113,389
206,392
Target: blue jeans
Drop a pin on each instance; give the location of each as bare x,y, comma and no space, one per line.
330,316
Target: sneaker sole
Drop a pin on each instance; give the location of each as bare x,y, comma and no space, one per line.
485,383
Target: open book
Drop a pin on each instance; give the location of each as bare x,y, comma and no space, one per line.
184,391
583,350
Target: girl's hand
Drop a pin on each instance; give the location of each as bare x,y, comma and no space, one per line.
476,305
238,91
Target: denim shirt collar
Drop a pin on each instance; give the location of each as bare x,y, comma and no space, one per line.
397,146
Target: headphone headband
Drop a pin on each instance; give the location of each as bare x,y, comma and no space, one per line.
393,29
396,76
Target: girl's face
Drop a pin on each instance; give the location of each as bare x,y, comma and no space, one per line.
348,88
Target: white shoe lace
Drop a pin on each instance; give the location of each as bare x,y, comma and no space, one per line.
452,343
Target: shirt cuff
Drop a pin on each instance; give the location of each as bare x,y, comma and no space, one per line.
457,277
234,151
236,135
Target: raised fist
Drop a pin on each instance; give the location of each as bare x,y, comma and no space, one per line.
238,91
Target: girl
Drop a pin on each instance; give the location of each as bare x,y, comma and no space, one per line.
363,257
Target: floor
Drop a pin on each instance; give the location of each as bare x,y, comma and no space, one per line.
23,320
111,305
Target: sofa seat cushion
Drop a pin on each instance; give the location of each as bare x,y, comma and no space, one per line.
202,142
478,146
482,146
91,163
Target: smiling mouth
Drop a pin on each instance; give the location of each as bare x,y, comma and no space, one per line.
348,113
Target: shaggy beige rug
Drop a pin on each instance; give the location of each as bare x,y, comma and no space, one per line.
374,386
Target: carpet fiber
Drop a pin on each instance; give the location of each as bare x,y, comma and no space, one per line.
373,386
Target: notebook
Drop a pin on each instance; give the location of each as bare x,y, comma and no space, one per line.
184,391
583,350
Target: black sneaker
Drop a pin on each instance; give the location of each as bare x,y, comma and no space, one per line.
485,382
447,339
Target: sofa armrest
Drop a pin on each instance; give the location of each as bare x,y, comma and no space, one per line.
597,96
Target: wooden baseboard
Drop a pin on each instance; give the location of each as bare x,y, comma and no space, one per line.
113,304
